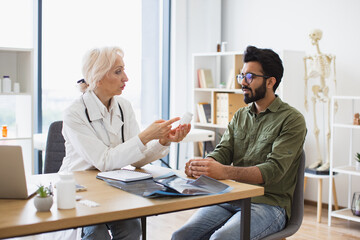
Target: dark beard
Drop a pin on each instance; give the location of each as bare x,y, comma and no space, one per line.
259,93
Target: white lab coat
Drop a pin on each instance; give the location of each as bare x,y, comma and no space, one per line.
99,144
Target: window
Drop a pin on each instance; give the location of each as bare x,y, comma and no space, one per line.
70,28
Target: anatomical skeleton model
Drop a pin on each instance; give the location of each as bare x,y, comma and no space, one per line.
319,66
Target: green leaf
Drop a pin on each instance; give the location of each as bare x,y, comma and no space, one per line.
357,157
44,191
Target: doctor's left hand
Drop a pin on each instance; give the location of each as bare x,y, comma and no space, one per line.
176,135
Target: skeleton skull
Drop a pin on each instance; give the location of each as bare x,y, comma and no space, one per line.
315,35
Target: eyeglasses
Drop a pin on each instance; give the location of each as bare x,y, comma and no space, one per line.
249,77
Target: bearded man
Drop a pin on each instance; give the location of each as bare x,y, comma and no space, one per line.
262,145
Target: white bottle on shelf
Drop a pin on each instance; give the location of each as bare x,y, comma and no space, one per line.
16,87
6,83
66,191
0,86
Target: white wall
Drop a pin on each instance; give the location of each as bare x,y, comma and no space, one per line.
285,25
18,34
280,25
195,27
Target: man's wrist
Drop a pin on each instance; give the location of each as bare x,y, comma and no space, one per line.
226,171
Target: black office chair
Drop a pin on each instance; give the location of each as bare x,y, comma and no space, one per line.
55,148
297,207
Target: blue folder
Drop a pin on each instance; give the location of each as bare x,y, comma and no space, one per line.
171,185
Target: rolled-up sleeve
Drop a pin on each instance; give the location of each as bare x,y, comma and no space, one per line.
285,150
224,151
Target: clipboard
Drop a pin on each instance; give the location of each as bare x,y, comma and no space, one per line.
124,175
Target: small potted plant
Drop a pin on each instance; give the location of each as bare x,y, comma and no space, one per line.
357,163
44,198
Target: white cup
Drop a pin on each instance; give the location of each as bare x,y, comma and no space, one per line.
16,87
223,46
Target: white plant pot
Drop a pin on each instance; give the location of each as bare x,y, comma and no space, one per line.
43,204
357,165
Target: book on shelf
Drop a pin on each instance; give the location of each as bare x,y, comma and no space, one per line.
208,78
226,106
201,112
201,148
205,78
209,147
207,110
230,84
200,79
204,112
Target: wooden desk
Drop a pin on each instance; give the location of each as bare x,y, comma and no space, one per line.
20,218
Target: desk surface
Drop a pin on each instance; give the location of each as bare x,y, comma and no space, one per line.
19,217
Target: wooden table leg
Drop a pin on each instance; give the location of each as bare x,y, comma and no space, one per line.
305,181
319,203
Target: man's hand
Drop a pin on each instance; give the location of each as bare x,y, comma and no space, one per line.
208,166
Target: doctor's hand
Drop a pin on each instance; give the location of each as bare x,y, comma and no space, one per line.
157,130
207,166
176,135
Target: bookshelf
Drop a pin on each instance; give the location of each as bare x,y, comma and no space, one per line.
223,67
344,163
16,109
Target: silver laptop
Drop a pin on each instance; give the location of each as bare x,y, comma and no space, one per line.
12,174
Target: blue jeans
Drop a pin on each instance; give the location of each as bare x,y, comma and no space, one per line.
223,222
124,230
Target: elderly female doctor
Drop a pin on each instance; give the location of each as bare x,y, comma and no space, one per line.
101,131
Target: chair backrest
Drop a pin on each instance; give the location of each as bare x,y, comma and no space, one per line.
55,148
297,207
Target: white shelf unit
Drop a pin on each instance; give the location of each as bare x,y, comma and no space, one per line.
341,167
16,109
208,95
224,67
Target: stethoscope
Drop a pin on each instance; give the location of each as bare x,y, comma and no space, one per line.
102,122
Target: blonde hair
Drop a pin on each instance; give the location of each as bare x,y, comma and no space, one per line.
96,63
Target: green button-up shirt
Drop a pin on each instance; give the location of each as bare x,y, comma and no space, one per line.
271,140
